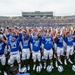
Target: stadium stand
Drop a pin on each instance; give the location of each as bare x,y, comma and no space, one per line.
40,21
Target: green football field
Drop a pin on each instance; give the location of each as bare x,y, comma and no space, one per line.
67,69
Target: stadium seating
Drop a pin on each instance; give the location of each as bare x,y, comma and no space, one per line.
32,21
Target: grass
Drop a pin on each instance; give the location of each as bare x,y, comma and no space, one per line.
67,69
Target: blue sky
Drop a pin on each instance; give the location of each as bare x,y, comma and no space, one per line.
15,7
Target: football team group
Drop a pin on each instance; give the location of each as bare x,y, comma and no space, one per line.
38,43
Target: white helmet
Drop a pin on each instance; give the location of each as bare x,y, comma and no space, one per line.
23,70
60,69
38,69
73,68
49,68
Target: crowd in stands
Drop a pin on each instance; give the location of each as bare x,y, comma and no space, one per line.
40,21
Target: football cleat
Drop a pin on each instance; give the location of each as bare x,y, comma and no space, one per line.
41,66
44,65
34,67
65,62
56,64
5,73
28,67
69,60
23,70
60,61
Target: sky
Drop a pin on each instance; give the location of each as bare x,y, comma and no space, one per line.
16,7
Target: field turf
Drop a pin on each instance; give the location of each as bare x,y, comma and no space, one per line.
67,69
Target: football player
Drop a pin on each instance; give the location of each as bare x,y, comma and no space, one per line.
69,51
14,51
25,47
3,43
48,52
36,55
60,50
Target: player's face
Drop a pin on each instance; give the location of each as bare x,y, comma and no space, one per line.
36,37
39,34
58,33
26,37
13,38
47,34
68,33
24,32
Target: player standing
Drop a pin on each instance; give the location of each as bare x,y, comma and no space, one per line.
48,52
3,43
25,48
70,48
36,55
14,51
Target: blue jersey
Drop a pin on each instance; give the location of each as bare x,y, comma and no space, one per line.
25,42
20,36
43,36
14,45
2,47
10,36
33,35
64,39
74,38
36,44
59,41
69,40
47,42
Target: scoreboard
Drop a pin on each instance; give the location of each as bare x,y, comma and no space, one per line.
37,13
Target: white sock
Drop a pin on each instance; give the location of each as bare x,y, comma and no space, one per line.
34,64
11,65
44,63
51,63
19,66
40,64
